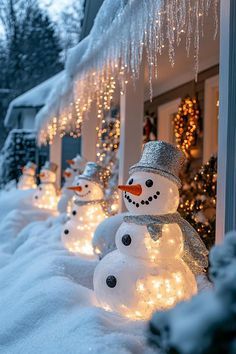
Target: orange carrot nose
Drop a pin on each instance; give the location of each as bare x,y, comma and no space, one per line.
135,189
75,188
67,174
42,175
70,162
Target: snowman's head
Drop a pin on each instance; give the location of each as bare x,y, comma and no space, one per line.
87,190
28,171
69,174
148,193
47,176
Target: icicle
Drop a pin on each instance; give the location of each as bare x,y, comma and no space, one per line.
122,31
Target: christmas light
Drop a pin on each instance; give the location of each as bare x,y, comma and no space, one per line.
45,196
27,179
87,211
186,125
158,253
149,27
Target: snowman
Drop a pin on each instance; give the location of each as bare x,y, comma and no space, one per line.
27,179
76,168
158,252
45,196
77,164
87,211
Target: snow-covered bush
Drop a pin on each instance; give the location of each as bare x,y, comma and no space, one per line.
207,323
19,148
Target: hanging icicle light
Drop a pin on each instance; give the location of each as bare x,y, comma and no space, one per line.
116,46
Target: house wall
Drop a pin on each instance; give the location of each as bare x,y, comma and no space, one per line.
174,96
190,88
28,118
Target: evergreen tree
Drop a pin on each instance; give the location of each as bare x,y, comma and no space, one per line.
32,46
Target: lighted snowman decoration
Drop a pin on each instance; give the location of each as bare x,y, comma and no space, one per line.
158,252
87,211
46,196
76,168
77,164
27,179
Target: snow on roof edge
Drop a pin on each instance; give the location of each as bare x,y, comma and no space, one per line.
33,98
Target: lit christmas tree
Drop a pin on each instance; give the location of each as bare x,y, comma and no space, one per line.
198,202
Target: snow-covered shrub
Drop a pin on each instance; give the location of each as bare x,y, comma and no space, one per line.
19,148
207,323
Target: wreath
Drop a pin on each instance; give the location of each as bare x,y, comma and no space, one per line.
186,123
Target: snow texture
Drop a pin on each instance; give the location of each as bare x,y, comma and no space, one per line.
47,304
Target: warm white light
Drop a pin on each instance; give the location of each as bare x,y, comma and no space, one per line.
78,232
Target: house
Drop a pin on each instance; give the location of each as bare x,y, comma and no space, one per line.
23,109
102,63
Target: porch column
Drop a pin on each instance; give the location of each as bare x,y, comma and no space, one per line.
55,153
89,135
226,186
131,127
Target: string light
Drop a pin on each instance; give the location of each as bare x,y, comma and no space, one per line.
198,202
79,240
160,27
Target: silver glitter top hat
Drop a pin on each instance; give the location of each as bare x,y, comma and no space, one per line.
51,166
162,158
95,173
31,165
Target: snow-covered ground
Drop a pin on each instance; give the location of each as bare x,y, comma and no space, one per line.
47,304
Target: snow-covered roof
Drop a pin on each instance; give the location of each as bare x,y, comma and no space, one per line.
34,98
123,31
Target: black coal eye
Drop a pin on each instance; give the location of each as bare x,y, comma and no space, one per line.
111,281
77,184
130,181
149,183
86,185
126,240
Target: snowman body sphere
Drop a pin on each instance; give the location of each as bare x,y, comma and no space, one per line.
45,196
151,268
87,211
27,179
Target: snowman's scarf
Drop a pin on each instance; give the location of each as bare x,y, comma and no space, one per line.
27,174
47,183
195,252
92,202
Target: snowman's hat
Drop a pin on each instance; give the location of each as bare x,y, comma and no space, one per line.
50,166
95,173
162,158
31,165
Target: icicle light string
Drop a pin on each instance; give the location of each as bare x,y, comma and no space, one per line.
117,45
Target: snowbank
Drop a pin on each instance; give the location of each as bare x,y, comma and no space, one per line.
47,304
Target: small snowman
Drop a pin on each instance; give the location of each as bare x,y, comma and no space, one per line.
27,179
77,164
45,196
158,252
87,211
